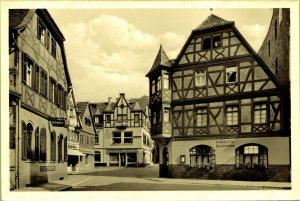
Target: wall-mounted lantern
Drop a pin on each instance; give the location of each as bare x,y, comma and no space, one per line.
182,159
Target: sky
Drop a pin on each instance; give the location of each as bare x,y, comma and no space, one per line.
109,51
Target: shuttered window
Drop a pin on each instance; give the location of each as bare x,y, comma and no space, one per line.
44,82
43,144
53,146
26,141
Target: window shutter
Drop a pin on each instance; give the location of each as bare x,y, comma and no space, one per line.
53,147
24,141
33,77
37,77
46,84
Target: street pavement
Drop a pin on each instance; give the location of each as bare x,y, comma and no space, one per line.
145,179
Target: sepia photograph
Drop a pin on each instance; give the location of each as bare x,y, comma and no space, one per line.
149,100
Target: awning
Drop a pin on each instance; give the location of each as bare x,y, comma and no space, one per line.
74,152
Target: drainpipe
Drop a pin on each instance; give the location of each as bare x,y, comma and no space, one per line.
17,175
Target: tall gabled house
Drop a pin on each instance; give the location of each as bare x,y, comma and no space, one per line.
39,83
123,137
216,110
86,137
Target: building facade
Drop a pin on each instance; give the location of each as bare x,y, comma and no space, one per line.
217,109
123,137
39,83
86,137
74,126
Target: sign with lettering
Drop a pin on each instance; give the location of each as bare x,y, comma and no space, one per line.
122,150
59,122
225,143
47,168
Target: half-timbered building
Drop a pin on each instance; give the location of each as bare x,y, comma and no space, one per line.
216,110
40,80
123,137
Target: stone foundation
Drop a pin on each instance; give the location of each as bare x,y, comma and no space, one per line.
276,173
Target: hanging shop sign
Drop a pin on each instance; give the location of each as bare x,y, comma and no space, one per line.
59,122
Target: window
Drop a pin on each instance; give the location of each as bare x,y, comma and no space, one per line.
97,138
167,115
41,31
202,156
154,117
42,145
27,141
260,113
97,156
201,115
128,138
27,70
153,87
200,77
206,44
53,47
122,118
87,121
251,156
96,119
216,41
107,118
47,40
44,82
116,138
37,144
53,146
231,74
232,115
158,86
166,81
52,89
136,118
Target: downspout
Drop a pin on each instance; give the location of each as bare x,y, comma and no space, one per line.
17,176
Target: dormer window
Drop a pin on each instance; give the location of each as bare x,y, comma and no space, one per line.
216,41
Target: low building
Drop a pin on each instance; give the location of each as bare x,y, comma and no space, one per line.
123,137
86,137
217,109
39,84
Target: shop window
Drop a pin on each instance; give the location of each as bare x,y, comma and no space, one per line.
260,113
202,156
206,44
231,74
53,146
200,78
216,41
116,138
251,156
131,158
201,117
27,131
97,156
166,81
232,115
128,137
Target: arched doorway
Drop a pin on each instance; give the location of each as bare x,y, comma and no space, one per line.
165,156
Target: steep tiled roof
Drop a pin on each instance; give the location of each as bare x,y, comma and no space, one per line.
16,16
160,60
212,21
81,108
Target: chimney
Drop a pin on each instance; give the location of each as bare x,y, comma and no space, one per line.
109,100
